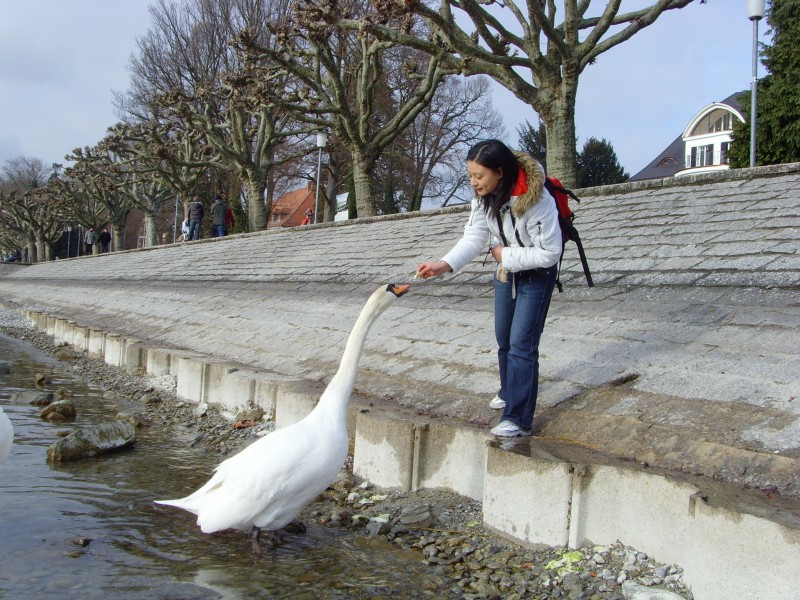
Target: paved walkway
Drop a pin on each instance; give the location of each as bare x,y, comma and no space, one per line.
684,355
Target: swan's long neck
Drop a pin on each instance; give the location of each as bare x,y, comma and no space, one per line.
337,394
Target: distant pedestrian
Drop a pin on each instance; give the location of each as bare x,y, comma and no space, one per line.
105,240
89,240
308,217
196,214
219,214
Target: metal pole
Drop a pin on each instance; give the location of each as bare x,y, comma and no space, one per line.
753,96
316,201
175,224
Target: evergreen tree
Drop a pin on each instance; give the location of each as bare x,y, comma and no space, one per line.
534,141
598,164
778,100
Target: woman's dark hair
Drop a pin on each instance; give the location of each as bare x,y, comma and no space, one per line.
494,154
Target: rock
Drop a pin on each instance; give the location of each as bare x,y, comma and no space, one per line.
34,398
635,591
254,414
5,366
416,515
58,411
378,528
42,379
93,441
65,355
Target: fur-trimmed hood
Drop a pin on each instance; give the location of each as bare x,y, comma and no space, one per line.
535,174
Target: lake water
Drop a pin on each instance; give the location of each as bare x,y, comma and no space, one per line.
141,550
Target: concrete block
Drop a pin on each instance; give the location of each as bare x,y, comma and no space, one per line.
729,552
384,450
69,332
113,351
175,364
265,394
527,498
191,378
51,326
96,346
58,331
134,356
41,322
227,388
80,337
33,317
452,457
723,552
293,403
157,362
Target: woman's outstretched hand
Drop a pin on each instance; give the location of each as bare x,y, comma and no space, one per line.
432,268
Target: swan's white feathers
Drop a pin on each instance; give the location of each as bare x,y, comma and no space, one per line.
268,483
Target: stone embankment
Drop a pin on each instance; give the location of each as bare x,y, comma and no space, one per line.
682,360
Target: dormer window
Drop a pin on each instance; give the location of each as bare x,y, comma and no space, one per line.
717,121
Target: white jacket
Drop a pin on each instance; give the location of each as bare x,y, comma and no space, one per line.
536,219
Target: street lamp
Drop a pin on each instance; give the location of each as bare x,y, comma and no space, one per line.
755,12
69,238
322,141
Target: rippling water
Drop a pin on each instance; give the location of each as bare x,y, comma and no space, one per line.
140,550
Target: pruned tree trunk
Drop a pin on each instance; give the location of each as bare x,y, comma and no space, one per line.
257,209
118,239
365,203
150,229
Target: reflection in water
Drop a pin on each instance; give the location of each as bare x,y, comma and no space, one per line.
137,549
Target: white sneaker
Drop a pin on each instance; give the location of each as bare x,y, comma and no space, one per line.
509,429
497,403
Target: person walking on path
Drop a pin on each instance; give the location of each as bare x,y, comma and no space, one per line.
196,214
105,240
219,213
512,208
89,240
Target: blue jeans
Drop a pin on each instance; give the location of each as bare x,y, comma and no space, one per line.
217,230
518,324
194,229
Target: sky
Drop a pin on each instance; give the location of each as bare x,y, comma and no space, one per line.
61,61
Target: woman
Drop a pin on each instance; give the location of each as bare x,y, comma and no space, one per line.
512,206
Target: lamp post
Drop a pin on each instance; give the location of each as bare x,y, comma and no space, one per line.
322,141
69,238
755,12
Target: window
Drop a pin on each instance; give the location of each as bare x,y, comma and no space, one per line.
723,153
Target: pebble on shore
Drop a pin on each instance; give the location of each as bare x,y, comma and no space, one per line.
444,527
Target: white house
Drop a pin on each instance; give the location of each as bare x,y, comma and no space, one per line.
703,145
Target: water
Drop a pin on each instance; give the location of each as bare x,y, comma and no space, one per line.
141,550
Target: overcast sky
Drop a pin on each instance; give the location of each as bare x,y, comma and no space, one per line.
60,60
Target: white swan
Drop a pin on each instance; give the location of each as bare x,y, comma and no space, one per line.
6,436
268,483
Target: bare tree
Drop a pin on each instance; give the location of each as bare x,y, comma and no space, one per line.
436,144
104,176
367,90
189,70
523,46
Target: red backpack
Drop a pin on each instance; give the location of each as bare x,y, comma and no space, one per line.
561,195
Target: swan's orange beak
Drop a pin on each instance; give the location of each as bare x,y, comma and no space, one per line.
398,290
